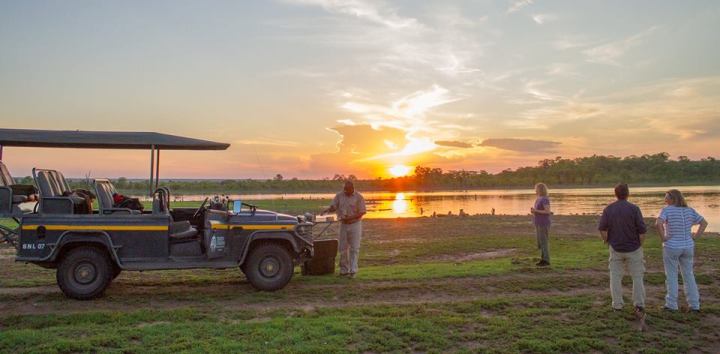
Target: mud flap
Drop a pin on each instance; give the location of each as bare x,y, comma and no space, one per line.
323,262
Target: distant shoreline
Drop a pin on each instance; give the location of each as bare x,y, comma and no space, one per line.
423,190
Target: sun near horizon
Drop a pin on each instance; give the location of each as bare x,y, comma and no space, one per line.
400,170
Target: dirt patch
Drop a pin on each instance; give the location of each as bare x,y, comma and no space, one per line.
29,291
398,240
460,258
148,324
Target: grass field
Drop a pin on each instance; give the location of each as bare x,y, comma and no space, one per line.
425,285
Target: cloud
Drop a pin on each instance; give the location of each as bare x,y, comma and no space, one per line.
542,19
523,145
364,140
357,147
669,111
456,144
408,112
610,53
455,66
266,142
518,4
568,43
373,12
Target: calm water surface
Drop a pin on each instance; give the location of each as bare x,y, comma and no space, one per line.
705,199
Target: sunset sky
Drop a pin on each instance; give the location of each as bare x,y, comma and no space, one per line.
310,88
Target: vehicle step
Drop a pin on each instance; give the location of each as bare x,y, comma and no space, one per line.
179,264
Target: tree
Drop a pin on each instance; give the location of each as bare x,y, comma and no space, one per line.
278,177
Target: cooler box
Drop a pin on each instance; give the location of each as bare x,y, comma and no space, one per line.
323,262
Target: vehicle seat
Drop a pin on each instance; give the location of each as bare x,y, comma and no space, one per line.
6,180
105,190
56,197
53,184
180,231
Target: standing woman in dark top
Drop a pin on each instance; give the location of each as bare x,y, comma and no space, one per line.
541,218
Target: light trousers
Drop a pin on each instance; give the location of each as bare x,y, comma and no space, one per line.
635,264
681,258
542,234
349,244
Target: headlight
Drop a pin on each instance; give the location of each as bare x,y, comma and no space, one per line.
304,230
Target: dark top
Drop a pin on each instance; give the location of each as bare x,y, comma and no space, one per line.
541,203
624,224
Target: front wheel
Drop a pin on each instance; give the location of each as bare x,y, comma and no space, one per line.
269,267
84,273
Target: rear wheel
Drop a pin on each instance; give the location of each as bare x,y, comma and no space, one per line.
84,273
269,267
115,271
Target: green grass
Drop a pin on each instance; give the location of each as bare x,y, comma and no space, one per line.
527,324
425,285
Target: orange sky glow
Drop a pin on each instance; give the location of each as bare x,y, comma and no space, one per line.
314,88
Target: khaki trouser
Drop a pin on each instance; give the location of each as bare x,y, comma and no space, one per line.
635,264
349,244
541,232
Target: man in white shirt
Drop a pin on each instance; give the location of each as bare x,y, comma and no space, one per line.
349,206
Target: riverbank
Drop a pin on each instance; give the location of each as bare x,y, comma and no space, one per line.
425,285
336,186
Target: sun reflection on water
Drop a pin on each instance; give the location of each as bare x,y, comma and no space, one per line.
400,204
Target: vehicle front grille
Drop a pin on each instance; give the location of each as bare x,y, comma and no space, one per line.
304,230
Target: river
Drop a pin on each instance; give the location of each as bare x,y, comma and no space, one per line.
572,201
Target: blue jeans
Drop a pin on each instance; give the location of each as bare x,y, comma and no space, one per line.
682,258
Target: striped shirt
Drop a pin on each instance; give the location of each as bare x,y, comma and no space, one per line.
678,226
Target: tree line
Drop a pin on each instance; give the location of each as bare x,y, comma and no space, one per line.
596,170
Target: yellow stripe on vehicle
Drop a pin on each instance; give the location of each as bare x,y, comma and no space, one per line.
98,227
252,227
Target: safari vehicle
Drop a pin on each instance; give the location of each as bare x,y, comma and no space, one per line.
89,249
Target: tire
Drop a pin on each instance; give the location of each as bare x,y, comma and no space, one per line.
115,271
84,273
269,267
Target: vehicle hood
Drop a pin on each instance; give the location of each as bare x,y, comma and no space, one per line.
264,217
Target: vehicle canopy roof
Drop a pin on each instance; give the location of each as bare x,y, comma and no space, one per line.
103,140
107,140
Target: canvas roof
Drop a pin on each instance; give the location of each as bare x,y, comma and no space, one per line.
103,140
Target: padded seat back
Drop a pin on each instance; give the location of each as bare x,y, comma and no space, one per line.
46,183
104,190
6,179
161,201
56,197
60,182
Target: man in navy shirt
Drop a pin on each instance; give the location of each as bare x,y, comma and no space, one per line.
622,227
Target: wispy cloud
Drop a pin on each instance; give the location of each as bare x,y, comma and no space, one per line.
542,19
518,4
611,52
267,142
524,145
365,10
409,114
455,144
533,89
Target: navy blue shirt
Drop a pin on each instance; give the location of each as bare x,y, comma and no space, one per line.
624,224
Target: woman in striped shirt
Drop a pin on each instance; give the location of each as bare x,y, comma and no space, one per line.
675,227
